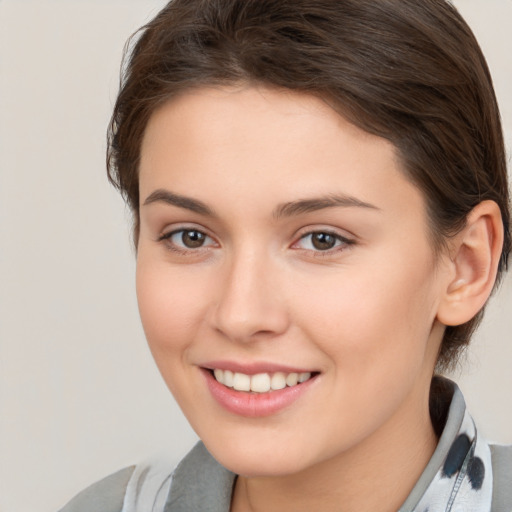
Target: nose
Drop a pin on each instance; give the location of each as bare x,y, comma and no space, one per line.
250,302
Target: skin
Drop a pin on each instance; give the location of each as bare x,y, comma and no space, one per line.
364,314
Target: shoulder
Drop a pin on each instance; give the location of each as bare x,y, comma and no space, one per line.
140,487
502,476
501,454
502,462
106,495
157,484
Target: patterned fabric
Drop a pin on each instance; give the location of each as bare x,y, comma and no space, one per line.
464,482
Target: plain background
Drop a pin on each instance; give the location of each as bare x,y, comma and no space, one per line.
79,394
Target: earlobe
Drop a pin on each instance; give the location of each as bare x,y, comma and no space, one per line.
475,253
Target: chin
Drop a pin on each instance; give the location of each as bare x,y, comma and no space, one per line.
257,459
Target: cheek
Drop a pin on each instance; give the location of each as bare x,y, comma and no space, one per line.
369,321
171,306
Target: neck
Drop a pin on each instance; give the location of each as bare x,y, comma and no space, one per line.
360,479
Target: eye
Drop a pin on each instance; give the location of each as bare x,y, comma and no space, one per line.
187,239
322,241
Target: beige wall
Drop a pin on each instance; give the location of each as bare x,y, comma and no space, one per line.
79,396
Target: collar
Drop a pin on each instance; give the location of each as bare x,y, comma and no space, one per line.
200,483
458,477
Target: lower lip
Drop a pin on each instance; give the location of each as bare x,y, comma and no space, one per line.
255,405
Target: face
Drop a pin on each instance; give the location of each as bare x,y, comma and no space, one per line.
279,244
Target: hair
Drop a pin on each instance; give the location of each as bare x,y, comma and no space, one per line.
410,71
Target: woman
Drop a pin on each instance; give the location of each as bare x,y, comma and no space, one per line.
321,212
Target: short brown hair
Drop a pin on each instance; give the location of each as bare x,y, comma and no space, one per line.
407,70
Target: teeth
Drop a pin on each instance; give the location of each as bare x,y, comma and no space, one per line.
303,377
278,381
292,379
261,382
228,379
242,382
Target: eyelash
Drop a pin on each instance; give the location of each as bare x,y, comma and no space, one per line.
341,242
167,239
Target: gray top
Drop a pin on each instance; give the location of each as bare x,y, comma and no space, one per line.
465,474
107,495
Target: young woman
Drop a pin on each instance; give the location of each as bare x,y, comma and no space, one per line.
321,212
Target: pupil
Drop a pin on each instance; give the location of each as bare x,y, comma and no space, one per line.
192,239
323,241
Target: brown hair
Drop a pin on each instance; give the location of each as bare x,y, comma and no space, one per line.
407,70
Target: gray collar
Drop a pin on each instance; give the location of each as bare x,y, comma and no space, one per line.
200,483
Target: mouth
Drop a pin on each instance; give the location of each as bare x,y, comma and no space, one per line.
258,393
260,383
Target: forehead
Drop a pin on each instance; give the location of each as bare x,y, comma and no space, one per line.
201,115
252,143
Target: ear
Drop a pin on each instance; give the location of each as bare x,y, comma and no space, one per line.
475,254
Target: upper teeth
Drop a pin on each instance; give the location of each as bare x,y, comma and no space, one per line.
261,382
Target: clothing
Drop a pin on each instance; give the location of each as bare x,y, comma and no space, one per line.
465,474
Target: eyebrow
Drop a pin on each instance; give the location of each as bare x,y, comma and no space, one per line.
167,197
288,209
319,203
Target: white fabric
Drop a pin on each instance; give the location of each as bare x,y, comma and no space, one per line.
458,493
149,486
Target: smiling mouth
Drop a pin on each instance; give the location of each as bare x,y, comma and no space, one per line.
260,382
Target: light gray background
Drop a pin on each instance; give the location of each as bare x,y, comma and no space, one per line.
79,394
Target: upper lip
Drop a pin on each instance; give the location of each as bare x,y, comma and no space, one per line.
253,368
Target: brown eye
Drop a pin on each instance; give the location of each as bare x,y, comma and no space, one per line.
187,239
323,241
192,239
